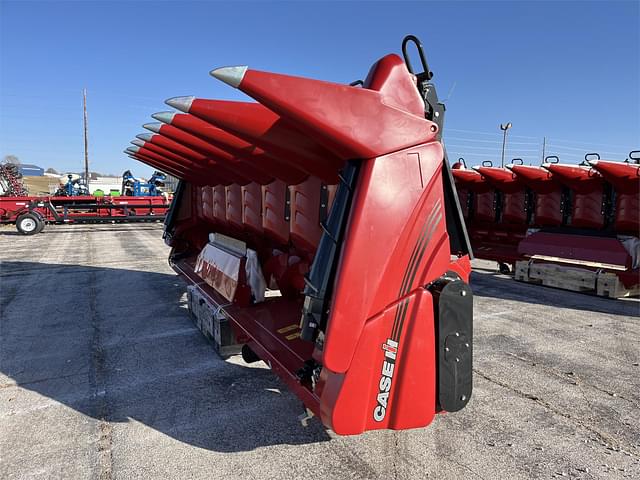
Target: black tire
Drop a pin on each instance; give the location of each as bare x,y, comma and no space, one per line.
28,224
505,269
41,224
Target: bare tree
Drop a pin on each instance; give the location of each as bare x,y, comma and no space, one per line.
52,171
11,159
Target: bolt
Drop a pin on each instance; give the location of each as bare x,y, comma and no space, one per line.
466,345
457,359
457,334
446,349
463,398
434,129
463,293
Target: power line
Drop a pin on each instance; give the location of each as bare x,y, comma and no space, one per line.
498,142
491,149
590,144
487,133
585,151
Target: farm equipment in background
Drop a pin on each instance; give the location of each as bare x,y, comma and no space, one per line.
569,226
72,204
31,214
135,187
73,187
11,180
319,230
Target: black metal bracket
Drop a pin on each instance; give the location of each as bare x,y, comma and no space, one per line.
434,110
287,204
319,280
324,202
175,204
426,74
454,337
459,243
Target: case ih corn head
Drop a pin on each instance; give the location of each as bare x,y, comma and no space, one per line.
320,231
569,226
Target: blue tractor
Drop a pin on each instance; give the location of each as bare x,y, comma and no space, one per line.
135,187
73,187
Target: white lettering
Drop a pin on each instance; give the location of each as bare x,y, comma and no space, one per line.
378,413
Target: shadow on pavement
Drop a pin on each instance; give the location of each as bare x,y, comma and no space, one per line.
493,285
84,228
116,345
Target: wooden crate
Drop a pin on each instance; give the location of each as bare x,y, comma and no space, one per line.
521,272
609,285
558,276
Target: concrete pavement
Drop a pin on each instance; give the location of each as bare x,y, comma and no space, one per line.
103,375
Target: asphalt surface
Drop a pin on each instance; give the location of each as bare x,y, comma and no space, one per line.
103,375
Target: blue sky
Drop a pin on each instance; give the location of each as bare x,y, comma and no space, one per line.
566,70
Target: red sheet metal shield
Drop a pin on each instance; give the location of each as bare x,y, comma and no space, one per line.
188,157
155,164
351,122
161,163
579,178
263,128
624,176
193,147
251,156
502,178
536,178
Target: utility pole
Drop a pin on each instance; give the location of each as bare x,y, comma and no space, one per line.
86,139
504,128
544,148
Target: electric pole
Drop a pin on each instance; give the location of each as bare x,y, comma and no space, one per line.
86,139
504,128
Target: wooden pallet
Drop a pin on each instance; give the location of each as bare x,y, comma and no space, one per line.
604,284
609,285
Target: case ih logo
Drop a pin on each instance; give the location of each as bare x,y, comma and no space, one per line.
390,352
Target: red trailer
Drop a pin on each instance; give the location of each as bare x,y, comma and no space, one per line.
31,214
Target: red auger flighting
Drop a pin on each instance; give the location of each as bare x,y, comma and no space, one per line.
320,231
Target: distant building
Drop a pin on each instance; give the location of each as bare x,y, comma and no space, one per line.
106,184
28,170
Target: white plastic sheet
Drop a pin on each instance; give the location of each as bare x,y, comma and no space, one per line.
255,278
631,245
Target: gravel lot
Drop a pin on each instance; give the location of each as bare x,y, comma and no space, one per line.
103,375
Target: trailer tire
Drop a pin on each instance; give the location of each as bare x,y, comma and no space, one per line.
504,268
41,224
29,224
